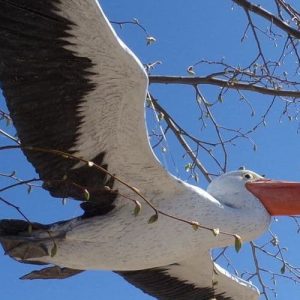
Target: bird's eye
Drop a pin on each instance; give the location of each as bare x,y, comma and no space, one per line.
248,176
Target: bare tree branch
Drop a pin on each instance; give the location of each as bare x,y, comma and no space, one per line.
182,141
257,9
234,85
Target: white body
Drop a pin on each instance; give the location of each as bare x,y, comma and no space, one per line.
113,122
121,241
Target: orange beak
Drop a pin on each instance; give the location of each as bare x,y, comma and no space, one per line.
280,198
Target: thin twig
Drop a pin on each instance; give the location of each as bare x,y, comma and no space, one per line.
123,182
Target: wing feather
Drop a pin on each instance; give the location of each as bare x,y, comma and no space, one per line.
192,279
72,85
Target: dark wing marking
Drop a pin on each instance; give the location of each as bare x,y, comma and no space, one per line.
54,272
44,83
72,85
196,278
16,227
161,285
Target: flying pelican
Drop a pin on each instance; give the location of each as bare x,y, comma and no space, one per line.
72,85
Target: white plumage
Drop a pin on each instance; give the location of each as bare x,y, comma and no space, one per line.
85,94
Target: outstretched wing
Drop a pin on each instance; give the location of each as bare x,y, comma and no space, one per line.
195,279
72,85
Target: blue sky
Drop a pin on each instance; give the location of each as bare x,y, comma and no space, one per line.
186,31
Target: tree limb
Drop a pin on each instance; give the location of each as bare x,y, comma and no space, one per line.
257,9
235,85
183,142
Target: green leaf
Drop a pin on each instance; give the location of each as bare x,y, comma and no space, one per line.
188,167
137,208
53,250
216,231
195,225
86,195
237,242
153,219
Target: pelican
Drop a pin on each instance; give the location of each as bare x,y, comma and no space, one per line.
71,85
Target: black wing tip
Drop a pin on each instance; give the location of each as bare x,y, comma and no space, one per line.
158,283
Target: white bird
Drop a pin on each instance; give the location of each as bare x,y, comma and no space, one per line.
72,85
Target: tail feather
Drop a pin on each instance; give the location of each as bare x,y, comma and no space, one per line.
17,240
23,248
27,243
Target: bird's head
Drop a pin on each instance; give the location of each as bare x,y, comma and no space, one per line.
255,198
230,189
243,189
